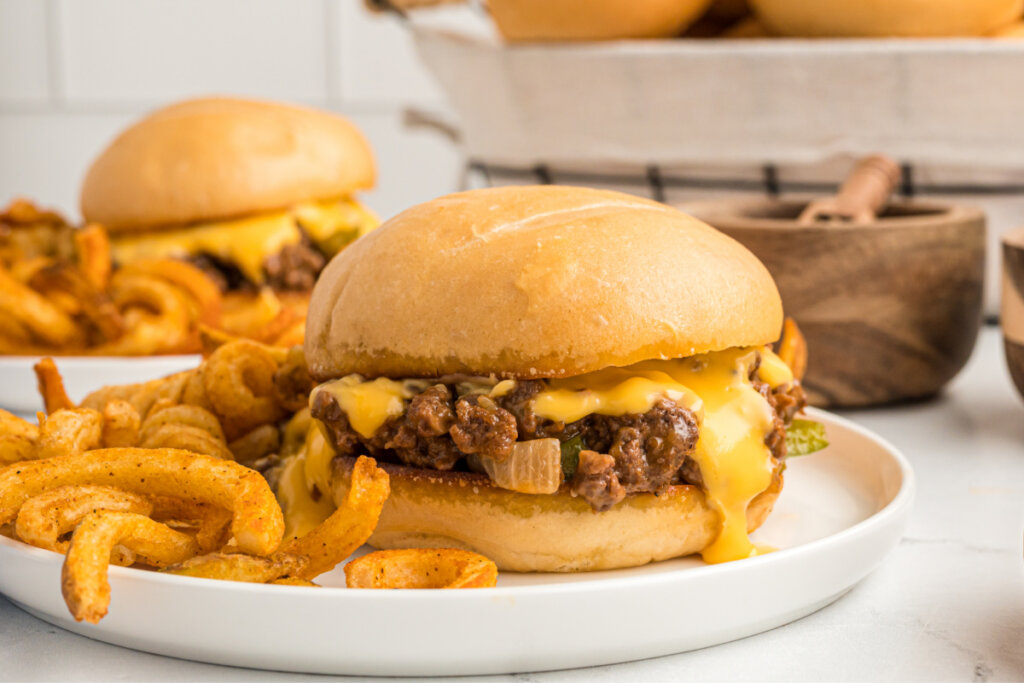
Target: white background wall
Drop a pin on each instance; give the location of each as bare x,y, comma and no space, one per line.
73,72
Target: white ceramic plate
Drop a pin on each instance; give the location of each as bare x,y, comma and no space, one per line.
841,511
82,374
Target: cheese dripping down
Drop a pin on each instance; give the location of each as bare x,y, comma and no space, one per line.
734,461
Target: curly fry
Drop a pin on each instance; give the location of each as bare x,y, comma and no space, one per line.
164,413
793,348
239,567
257,522
263,440
187,277
349,526
43,519
239,383
156,314
94,259
72,430
32,310
51,386
63,282
18,439
120,424
212,523
421,568
84,575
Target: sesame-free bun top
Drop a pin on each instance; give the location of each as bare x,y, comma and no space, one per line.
574,20
885,18
537,281
217,158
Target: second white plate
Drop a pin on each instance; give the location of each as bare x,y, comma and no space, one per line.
82,374
841,511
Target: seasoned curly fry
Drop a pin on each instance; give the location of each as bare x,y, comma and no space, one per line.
121,424
38,315
188,278
63,282
257,521
43,519
212,524
157,316
142,396
239,383
72,430
349,526
94,260
239,567
18,439
263,440
84,576
793,348
189,428
421,568
51,386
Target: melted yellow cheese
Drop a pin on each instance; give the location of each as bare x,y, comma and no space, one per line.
734,461
247,242
368,405
311,466
322,220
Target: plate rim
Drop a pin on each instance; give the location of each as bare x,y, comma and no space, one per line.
897,506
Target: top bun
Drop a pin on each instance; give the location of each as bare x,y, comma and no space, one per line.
885,18
536,281
217,158
555,20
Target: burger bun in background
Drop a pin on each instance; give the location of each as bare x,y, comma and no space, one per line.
886,18
583,20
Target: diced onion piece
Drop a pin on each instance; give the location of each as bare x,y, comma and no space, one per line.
533,467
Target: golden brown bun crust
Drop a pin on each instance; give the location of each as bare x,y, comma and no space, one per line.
219,158
554,20
543,533
882,18
533,282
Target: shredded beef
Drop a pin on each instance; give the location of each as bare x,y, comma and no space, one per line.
295,267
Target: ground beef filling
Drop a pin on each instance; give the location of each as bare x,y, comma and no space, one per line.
623,454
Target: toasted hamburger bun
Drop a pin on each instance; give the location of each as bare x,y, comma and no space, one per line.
220,158
543,533
541,281
571,20
886,18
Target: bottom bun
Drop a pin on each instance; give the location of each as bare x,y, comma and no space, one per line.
543,533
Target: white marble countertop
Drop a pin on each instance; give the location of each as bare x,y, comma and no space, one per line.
948,604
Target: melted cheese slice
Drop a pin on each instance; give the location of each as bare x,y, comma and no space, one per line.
248,242
368,405
734,460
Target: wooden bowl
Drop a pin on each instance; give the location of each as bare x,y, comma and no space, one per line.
890,309
1013,305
